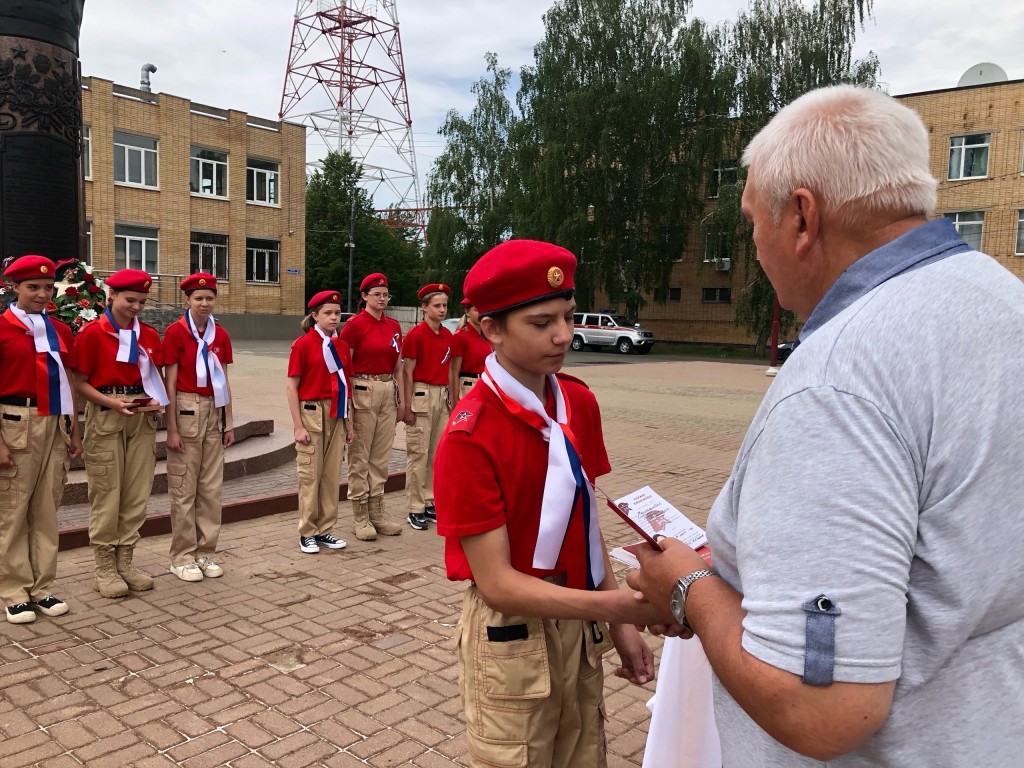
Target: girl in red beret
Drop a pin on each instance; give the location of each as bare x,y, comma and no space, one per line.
319,392
38,433
197,353
469,350
117,371
376,344
517,507
427,354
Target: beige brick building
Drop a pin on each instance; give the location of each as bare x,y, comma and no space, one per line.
175,187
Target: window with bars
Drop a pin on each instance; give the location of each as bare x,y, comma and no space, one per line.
136,248
209,253
208,172
262,261
135,159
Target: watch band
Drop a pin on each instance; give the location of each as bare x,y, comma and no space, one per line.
683,585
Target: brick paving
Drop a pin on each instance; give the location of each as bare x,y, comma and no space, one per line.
339,659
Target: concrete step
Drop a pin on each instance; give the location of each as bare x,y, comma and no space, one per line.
258,449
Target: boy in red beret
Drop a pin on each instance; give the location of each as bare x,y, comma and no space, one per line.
319,393
427,355
516,505
197,353
375,341
38,432
117,370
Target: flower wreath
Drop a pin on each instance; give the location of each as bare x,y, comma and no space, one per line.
79,298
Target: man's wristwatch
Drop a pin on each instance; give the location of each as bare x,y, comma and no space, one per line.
677,600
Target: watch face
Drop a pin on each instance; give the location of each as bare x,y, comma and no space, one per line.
675,602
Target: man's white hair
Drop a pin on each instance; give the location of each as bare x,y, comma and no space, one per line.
860,151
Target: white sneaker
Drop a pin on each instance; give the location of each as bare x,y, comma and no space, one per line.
188,572
209,568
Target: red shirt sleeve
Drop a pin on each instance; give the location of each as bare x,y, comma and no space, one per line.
295,359
411,346
222,340
173,345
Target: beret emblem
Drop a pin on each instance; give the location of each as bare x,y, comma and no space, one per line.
555,277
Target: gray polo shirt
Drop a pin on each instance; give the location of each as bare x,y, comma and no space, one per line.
882,472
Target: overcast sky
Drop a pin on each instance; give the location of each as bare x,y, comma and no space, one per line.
233,54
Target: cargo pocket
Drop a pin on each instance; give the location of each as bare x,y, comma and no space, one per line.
597,641
14,428
420,400
304,461
312,416
101,422
99,470
188,422
9,499
176,474
362,397
492,752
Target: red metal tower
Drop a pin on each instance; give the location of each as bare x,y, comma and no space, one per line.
346,82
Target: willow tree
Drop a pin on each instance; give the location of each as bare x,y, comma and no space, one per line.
611,147
777,51
467,185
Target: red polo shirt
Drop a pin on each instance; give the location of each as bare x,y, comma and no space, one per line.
307,362
431,351
18,357
490,468
375,344
180,349
96,356
472,348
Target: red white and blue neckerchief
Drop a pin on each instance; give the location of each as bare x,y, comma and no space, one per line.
339,384
569,505
129,351
53,388
209,371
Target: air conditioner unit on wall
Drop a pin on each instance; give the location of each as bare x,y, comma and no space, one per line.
723,265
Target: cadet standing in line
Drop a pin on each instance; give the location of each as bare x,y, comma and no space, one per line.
375,341
197,353
117,370
469,350
427,354
318,392
36,404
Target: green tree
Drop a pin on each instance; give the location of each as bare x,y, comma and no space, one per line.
333,195
467,186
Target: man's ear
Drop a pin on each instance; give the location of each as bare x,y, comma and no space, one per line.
808,221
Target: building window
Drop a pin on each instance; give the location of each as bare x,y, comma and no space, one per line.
261,182
716,295
88,242
1020,233
87,151
134,159
136,248
722,175
716,246
262,261
968,156
208,172
969,224
675,293
209,253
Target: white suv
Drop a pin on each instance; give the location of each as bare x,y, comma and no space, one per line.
596,330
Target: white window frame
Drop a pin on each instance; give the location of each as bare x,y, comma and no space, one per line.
128,151
966,220
715,239
960,150
148,247
87,152
218,170
1020,233
88,243
724,167
211,257
263,180
267,255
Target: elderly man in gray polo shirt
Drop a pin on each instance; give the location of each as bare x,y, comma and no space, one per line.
866,605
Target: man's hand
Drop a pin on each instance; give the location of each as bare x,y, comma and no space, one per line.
634,655
659,571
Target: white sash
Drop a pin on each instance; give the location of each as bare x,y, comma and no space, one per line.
43,344
207,361
130,351
335,368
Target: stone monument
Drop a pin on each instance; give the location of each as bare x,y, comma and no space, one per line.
42,206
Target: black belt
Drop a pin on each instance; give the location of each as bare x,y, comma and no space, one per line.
23,402
135,389
469,375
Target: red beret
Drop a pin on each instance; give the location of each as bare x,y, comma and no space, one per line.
376,280
518,273
199,280
466,303
430,288
31,268
325,297
130,280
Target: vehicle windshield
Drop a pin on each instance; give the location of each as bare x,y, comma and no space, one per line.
621,321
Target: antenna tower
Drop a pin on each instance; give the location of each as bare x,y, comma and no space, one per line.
346,82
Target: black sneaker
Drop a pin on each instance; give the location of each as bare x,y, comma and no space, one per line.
51,606
21,613
430,513
308,545
330,541
417,520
